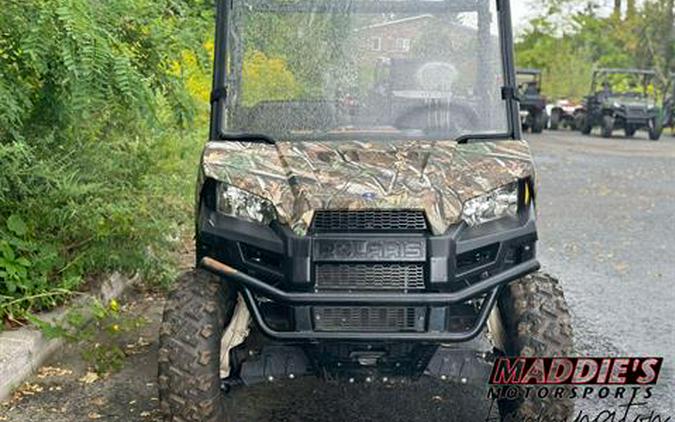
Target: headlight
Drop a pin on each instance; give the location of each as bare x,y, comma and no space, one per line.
238,203
493,205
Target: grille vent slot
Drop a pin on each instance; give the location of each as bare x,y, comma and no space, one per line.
345,221
369,319
375,277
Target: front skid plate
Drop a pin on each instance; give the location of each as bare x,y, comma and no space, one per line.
450,363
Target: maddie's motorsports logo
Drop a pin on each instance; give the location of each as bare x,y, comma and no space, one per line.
626,380
611,371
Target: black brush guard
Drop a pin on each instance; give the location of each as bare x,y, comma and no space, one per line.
490,287
464,271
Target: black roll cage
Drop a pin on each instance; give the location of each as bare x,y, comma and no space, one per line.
646,74
534,73
224,9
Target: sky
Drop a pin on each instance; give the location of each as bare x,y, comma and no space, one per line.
523,10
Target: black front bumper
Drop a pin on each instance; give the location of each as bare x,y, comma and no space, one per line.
635,116
465,267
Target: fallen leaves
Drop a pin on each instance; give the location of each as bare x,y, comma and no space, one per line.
29,389
52,371
26,390
137,347
89,378
98,401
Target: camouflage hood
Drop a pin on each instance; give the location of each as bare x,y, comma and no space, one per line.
301,177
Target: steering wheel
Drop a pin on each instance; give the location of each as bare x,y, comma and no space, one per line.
438,116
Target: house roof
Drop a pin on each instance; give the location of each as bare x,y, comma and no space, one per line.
395,22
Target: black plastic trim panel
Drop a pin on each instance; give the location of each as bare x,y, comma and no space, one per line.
226,245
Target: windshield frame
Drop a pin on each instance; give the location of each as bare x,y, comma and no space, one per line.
220,75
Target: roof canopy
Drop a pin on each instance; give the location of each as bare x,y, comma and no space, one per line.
615,71
528,71
365,6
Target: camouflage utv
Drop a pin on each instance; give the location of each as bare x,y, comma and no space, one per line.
350,232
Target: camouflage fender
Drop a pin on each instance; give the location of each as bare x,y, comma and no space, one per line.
301,177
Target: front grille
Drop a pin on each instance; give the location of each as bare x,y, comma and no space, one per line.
333,271
636,112
369,319
370,277
345,221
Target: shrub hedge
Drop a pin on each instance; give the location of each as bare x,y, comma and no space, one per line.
98,140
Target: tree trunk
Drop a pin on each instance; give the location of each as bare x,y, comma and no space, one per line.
668,47
617,8
630,9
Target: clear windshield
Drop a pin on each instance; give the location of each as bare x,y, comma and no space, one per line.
322,67
625,85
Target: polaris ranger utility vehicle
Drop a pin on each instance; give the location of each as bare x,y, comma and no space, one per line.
532,103
331,242
619,99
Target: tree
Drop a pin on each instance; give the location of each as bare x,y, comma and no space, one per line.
571,38
617,8
267,79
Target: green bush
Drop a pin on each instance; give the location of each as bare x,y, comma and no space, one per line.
97,143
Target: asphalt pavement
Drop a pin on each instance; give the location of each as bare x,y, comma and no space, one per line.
607,231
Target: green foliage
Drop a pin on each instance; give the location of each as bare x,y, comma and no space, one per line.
99,328
267,79
97,140
571,39
303,45
105,359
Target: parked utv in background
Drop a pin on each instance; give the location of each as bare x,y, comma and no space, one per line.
532,103
669,106
354,231
620,99
563,114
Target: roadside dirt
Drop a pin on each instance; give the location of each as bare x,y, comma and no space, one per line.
67,389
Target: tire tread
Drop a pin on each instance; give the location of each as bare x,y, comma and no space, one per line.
538,323
195,314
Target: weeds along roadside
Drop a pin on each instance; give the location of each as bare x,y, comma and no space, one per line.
98,143
73,227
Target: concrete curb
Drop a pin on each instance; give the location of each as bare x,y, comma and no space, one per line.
23,351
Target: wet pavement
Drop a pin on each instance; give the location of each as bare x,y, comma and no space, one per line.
607,229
